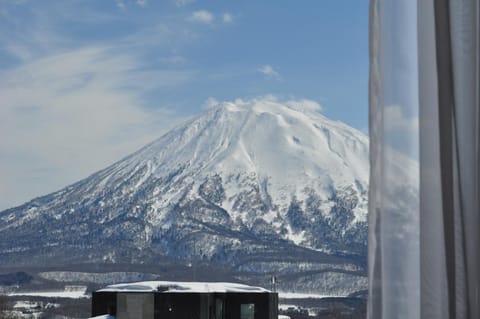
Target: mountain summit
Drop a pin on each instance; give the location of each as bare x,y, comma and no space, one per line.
257,186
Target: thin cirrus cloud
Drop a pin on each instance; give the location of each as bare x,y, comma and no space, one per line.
71,106
202,16
122,6
183,3
269,71
227,18
207,17
61,109
142,3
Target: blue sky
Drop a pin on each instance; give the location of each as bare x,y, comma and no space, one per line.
84,83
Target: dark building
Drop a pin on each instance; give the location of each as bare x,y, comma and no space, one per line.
185,300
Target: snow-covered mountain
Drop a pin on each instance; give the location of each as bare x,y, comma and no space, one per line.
258,186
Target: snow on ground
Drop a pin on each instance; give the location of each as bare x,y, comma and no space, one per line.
299,295
52,294
290,307
20,314
287,306
25,304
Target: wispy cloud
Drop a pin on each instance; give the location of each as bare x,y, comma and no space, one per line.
183,3
202,16
72,103
121,5
69,106
305,105
269,71
142,3
227,18
211,102
82,109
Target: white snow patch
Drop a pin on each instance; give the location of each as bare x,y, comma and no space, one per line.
52,294
296,237
73,292
300,295
287,306
182,287
25,305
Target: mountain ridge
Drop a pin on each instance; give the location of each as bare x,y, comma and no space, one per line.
252,184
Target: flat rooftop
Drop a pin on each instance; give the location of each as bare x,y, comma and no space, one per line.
183,287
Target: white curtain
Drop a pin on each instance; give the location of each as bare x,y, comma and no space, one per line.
424,244
393,199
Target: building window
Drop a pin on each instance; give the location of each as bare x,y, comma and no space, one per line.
218,308
247,311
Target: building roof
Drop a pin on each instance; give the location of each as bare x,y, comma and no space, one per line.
185,287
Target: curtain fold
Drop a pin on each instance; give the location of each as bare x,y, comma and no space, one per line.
433,272
464,33
424,214
393,197
449,139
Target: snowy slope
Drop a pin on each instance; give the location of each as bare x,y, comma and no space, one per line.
250,184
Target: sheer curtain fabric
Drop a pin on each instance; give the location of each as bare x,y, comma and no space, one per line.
424,250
